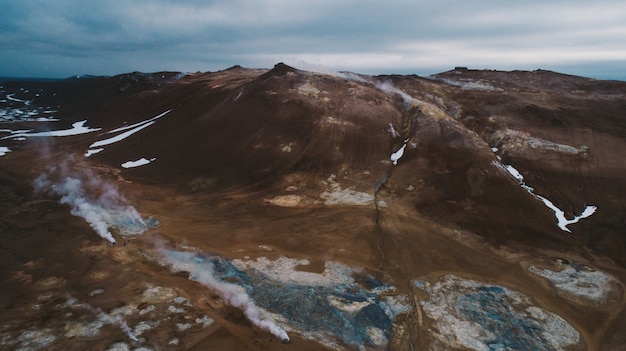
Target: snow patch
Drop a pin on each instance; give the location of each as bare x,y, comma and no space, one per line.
129,130
12,98
515,173
119,137
77,128
93,152
398,154
138,124
562,221
141,162
4,150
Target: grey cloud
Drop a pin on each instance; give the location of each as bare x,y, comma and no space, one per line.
108,37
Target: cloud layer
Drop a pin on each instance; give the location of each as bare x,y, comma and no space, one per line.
66,37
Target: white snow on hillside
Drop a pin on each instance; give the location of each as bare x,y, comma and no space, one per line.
140,162
138,123
129,130
92,152
4,150
77,128
13,109
562,221
12,98
397,155
119,137
560,215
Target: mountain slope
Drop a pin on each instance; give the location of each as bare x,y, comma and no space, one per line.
344,210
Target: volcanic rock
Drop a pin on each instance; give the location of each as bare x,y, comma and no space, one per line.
339,211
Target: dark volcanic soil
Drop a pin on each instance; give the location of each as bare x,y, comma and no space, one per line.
351,212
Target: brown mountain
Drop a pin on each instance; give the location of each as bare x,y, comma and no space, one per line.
469,210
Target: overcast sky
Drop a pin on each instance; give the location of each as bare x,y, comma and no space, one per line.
68,37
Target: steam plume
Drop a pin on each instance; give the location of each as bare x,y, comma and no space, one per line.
390,88
232,294
90,197
106,318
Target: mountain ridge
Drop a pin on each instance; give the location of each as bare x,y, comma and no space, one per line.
416,180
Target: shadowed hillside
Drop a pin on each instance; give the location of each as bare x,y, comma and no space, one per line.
252,206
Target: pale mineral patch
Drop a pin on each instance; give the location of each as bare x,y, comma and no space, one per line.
99,275
147,310
180,300
377,336
346,305
183,326
330,120
158,294
335,195
173,309
144,326
580,282
469,314
308,90
511,139
290,200
123,311
119,346
51,282
78,329
35,340
471,84
206,321
95,292
284,270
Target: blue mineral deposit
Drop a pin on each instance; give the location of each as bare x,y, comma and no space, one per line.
346,311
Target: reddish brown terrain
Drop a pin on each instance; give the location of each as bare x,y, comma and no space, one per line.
282,209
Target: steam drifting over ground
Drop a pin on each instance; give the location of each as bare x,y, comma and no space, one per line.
91,197
339,304
234,295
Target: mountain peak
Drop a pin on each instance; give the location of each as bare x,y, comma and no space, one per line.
283,68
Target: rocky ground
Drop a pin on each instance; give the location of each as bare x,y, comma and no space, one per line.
284,209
